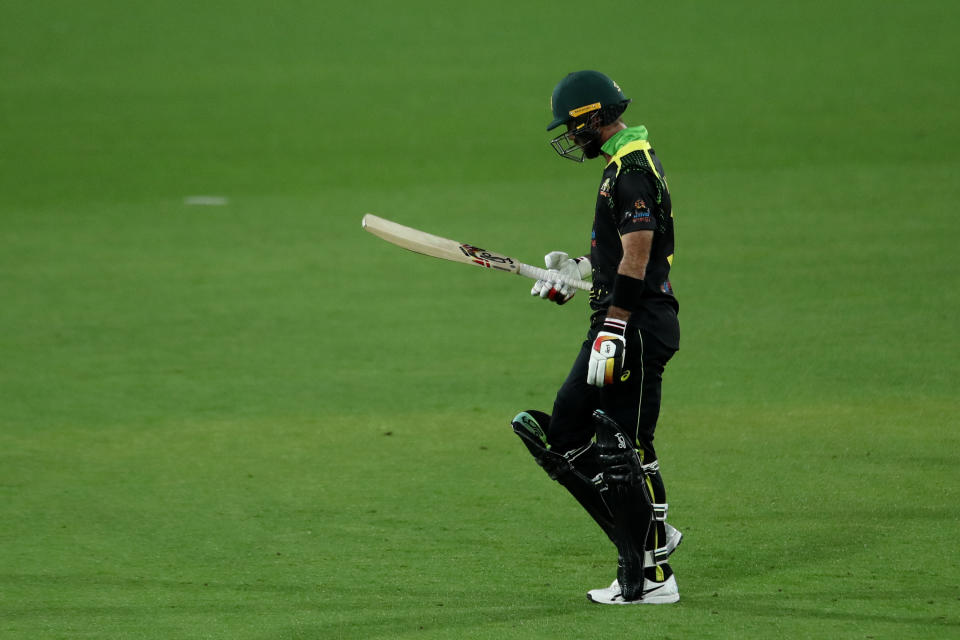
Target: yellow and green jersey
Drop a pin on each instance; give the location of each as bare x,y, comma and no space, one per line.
633,197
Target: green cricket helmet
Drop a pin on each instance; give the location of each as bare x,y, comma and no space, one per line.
584,101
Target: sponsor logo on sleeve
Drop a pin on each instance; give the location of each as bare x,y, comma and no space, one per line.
605,188
638,213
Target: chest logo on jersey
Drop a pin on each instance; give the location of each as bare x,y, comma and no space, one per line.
605,188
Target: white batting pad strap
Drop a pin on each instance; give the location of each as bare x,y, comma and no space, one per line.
660,511
661,555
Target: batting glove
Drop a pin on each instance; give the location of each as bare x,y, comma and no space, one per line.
609,350
560,264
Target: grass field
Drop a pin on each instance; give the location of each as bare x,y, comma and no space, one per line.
255,421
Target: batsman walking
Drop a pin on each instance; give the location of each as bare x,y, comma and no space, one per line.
598,440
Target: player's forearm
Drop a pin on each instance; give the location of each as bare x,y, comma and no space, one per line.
636,254
618,313
628,285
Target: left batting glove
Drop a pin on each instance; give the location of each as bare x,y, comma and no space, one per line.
560,264
609,350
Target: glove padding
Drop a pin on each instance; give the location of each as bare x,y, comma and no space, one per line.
561,265
609,350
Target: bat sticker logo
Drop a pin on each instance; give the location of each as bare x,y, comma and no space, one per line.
483,257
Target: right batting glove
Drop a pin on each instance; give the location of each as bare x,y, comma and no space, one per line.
609,350
560,264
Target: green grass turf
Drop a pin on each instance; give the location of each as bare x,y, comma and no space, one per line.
255,421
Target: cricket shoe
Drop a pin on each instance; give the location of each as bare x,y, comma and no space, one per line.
664,592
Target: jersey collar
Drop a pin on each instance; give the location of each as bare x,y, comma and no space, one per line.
623,137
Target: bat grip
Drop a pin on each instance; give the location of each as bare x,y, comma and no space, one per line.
536,273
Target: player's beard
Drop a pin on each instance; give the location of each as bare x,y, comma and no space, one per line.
592,148
589,141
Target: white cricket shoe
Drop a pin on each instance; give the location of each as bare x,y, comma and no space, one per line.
653,593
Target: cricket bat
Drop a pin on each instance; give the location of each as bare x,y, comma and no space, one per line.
437,247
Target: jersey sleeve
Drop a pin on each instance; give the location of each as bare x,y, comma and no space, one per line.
635,199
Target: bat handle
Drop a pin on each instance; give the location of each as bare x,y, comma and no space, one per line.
536,273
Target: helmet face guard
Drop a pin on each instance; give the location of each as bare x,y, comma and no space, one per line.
581,140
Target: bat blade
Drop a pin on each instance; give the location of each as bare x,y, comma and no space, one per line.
435,246
446,249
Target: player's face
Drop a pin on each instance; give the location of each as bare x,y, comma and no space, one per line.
580,141
586,137
572,127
